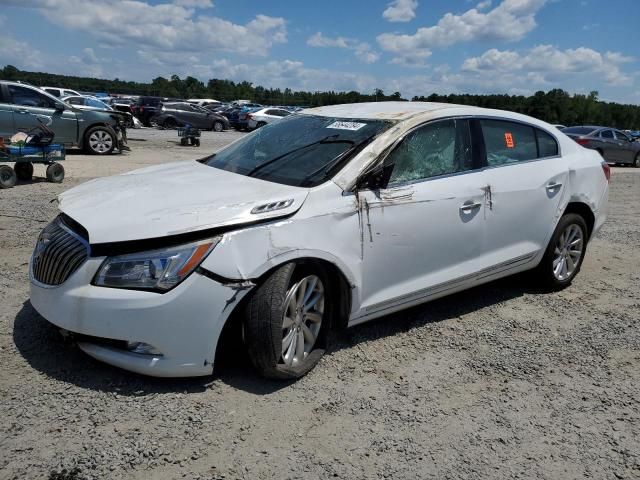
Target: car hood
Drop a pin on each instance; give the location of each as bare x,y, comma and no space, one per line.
172,199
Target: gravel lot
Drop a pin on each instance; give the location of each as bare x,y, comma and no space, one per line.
502,381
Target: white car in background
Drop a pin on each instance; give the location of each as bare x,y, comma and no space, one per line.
60,92
322,220
264,116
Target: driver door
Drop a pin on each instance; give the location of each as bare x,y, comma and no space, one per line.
29,105
422,235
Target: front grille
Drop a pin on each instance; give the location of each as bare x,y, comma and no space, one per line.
58,254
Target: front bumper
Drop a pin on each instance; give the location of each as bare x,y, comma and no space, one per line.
184,324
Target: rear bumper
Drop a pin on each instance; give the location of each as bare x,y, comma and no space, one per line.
184,324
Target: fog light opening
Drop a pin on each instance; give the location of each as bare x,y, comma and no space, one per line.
142,348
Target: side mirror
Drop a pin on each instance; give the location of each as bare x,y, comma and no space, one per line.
60,107
374,179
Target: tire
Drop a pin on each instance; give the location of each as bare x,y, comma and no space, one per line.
569,230
169,123
196,142
217,127
55,173
24,171
184,141
636,161
8,176
100,140
260,124
264,330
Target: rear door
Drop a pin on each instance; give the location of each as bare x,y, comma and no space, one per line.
7,129
609,145
30,106
526,179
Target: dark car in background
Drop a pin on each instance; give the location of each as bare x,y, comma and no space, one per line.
147,107
614,146
177,114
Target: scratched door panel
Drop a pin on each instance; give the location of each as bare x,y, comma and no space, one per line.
416,236
524,208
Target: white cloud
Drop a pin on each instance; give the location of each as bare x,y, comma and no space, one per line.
362,50
546,63
401,11
162,27
509,21
194,3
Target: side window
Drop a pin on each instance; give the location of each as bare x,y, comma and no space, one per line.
271,112
75,100
29,98
547,145
606,134
439,148
52,91
622,136
508,142
68,92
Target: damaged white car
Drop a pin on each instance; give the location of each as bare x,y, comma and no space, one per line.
324,220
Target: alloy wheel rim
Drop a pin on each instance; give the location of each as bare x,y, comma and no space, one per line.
302,319
568,252
100,141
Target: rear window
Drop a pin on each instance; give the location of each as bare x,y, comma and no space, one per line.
578,130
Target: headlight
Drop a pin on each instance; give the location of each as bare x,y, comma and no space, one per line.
158,270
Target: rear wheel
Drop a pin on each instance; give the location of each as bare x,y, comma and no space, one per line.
564,255
286,322
170,123
55,173
100,140
261,124
24,170
184,141
7,176
636,161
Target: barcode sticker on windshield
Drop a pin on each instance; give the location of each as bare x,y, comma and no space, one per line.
347,125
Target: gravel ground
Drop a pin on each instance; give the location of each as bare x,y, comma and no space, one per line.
502,381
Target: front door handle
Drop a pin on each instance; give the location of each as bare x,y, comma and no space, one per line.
553,186
22,110
469,205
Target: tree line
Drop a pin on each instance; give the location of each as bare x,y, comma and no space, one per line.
555,106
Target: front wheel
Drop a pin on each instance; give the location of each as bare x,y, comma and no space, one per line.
636,161
24,171
564,255
7,176
217,127
286,322
55,173
100,140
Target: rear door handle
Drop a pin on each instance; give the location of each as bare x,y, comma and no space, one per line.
469,205
553,186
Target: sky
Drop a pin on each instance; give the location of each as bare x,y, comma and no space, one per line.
416,47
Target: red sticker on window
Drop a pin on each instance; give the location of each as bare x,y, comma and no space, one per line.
508,140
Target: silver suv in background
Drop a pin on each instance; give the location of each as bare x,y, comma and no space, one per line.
22,107
614,146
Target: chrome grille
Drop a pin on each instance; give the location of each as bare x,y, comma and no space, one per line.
58,254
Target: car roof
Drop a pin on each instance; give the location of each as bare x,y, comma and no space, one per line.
382,110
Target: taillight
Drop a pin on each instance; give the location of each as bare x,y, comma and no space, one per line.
607,171
582,141
141,109
249,117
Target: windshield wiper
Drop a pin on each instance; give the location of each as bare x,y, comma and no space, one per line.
279,157
326,168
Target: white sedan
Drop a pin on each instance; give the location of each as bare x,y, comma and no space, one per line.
323,220
264,116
